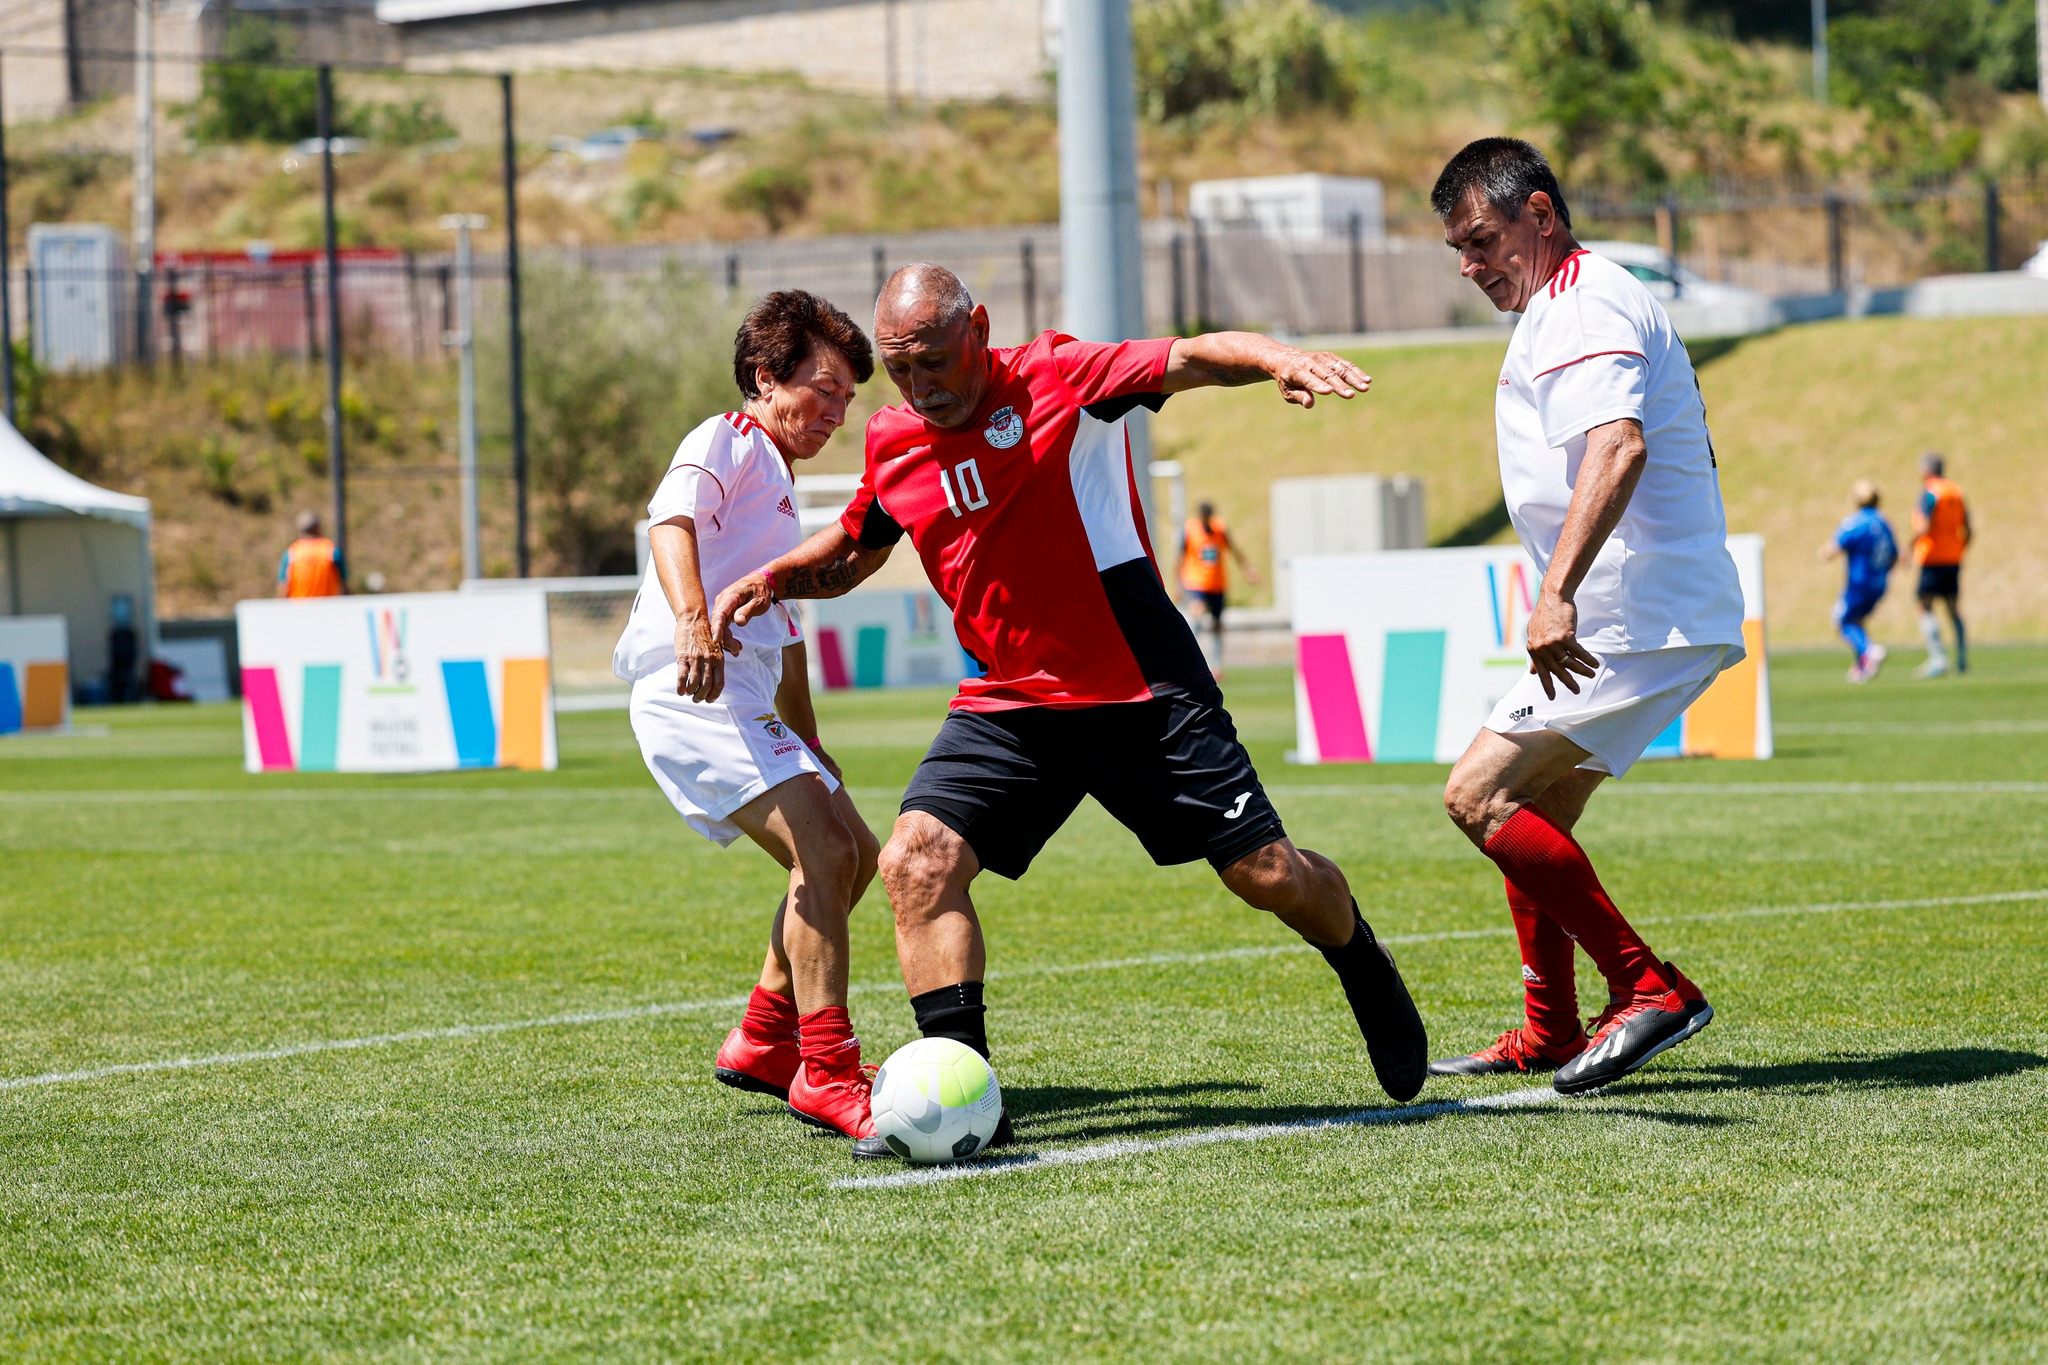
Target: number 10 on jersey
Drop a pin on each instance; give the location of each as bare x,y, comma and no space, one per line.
972,496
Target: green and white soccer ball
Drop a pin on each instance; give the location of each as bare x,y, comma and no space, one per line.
936,1100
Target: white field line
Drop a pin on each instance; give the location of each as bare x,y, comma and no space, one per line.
200,796
638,1012
1207,1137
2027,726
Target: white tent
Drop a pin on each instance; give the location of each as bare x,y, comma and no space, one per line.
70,548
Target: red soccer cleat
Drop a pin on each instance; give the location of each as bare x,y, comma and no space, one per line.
837,1101
765,1068
1633,1029
1509,1053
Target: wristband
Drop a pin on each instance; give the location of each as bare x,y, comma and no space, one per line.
768,577
817,745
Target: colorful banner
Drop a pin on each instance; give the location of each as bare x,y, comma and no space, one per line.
883,637
35,673
1401,657
403,683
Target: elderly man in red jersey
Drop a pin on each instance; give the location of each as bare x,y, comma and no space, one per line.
1010,471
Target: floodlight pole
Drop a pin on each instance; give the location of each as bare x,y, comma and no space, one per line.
1102,286
516,347
337,456
2041,46
6,276
464,339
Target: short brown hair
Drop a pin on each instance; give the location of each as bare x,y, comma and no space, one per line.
782,328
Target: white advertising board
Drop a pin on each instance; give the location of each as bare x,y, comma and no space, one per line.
883,637
407,682
1401,656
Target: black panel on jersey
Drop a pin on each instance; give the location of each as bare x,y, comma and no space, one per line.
1159,637
1110,409
878,529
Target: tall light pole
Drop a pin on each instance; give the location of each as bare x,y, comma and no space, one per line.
145,168
2041,46
1102,292
1820,50
463,338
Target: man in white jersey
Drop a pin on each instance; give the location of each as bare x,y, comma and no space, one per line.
734,745
1610,480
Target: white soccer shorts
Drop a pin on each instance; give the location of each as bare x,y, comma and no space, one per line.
1618,711
711,758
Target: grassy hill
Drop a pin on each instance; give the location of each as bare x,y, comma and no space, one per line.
1796,416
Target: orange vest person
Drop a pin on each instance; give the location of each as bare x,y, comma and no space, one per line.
1941,533
1203,543
311,565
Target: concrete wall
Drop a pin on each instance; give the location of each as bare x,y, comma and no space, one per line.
38,85
943,49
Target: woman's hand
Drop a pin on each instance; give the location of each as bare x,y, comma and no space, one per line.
700,663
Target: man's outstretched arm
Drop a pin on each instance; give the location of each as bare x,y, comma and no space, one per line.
829,564
1229,359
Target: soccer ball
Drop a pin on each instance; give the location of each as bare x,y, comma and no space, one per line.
936,1100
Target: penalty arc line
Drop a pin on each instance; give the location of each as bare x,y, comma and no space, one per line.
457,1032
1208,1137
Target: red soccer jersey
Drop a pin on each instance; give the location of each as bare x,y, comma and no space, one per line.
1028,522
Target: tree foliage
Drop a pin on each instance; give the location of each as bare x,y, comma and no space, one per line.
1595,76
1263,56
241,100
618,370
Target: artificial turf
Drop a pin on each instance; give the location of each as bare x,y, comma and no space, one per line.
1852,1163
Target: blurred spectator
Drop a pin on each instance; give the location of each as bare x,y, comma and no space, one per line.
311,565
1864,539
1205,577
1941,533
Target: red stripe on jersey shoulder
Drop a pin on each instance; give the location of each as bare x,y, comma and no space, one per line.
743,424
1567,272
1590,355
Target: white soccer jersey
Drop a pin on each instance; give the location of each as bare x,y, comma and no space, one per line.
731,480
1595,347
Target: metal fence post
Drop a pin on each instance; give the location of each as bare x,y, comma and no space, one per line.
1201,278
515,342
881,269
1030,290
1991,208
1176,253
171,319
732,274
1356,230
337,456
1837,274
1673,225
311,311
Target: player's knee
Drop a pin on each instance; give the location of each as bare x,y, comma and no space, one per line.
831,857
1276,878
867,855
916,865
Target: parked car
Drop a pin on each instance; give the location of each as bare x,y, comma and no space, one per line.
1650,265
2037,264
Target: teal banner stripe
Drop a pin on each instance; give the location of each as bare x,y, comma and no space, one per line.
320,719
871,657
1411,689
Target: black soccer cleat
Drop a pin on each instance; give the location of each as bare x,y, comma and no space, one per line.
876,1148
740,1080
1633,1035
1510,1054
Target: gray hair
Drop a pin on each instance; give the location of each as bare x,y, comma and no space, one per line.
924,283
1932,463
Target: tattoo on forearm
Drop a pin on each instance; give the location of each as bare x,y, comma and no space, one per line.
821,580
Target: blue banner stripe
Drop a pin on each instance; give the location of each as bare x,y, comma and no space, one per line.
469,712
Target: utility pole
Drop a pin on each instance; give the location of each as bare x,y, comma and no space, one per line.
6,278
515,342
1820,49
337,454
2041,46
145,169
1102,289
464,339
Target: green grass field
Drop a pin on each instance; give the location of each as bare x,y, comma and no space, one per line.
415,1069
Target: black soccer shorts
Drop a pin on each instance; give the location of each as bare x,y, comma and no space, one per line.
1171,770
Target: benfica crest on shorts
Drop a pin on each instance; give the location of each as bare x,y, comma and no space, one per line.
772,725
1005,429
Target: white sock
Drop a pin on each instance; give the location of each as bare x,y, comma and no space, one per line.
1930,631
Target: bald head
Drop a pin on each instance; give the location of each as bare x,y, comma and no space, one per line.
921,296
933,339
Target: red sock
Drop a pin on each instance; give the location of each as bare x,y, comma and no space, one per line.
770,1018
1548,865
1549,996
829,1046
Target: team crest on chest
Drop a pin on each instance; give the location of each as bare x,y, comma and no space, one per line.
1005,429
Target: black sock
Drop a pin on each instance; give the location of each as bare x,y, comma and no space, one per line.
954,1012
1358,964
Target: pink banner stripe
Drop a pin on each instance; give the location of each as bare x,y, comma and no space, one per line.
266,710
832,660
1333,699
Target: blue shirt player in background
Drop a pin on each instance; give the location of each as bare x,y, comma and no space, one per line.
1864,539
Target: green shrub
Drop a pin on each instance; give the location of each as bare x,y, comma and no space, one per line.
1264,56
618,369
409,123
1597,79
255,103
777,193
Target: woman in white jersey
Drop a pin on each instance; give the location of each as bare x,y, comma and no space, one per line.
734,743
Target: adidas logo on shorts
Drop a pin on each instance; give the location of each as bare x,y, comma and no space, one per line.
1522,714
